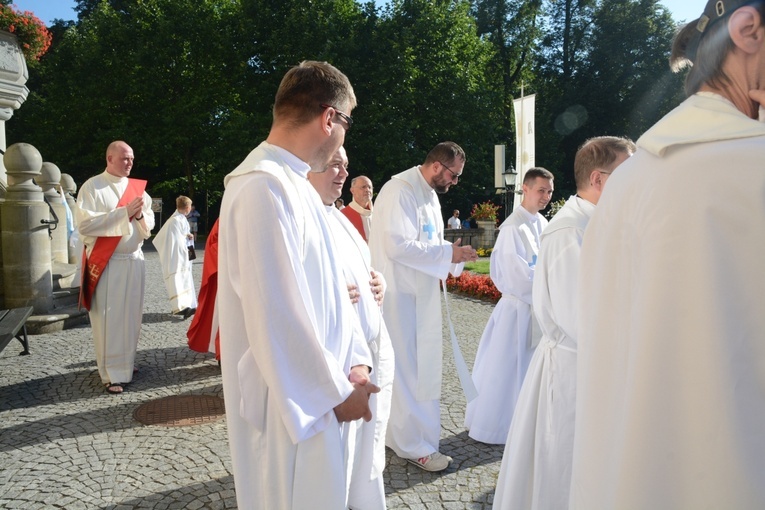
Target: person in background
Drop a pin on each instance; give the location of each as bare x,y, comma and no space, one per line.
408,247
340,204
507,343
359,211
193,218
670,402
536,465
454,221
203,334
295,365
172,242
367,491
114,218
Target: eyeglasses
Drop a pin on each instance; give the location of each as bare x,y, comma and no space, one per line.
345,117
454,175
604,173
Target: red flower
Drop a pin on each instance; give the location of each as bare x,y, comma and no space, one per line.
475,285
33,36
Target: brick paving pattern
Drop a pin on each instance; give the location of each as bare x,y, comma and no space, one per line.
66,443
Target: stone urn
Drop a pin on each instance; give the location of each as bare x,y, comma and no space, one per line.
489,228
13,90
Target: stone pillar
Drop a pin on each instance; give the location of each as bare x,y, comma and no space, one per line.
27,269
49,181
70,192
13,91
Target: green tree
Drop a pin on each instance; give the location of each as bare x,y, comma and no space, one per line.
426,82
161,74
513,29
611,77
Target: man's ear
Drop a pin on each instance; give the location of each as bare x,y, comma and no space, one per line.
596,179
326,121
746,30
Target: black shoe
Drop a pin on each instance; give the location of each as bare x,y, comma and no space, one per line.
188,312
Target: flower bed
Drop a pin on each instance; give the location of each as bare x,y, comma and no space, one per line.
474,285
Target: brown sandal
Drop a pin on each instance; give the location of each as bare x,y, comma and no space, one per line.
114,388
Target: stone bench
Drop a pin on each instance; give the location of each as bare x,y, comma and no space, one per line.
13,324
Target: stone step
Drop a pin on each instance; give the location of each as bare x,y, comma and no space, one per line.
58,320
63,275
65,298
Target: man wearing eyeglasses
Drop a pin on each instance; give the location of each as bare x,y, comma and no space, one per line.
295,365
408,247
367,490
506,345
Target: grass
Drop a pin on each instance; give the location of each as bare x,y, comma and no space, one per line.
479,266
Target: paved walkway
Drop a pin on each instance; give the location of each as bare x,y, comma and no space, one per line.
65,443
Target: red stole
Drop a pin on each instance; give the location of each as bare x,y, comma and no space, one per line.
355,217
200,330
93,266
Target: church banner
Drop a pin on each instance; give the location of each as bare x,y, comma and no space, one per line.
524,140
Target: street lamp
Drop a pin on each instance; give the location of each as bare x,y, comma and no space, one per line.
510,175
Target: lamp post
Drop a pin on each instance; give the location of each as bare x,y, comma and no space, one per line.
510,176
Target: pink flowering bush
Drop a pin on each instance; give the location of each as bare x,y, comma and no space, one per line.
33,36
474,285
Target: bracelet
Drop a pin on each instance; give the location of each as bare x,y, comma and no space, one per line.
139,218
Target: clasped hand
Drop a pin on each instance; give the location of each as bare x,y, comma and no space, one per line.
377,284
357,404
134,207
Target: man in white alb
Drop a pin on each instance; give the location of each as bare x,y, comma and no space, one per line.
670,404
367,491
114,218
408,247
295,365
171,243
536,465
506,345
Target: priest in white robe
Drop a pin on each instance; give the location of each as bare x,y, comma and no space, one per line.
367,490
506,345
171,243
294,363
536,466
408,247
670,407
116,310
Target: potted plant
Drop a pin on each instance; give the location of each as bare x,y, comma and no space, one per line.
31,33
485,212
485,215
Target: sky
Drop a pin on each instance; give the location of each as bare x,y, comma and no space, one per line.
48,10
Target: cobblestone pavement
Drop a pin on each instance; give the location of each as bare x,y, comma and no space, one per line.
66,443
